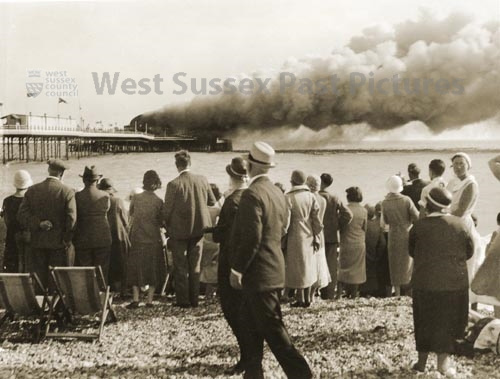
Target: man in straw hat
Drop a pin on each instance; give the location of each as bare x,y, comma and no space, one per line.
92,238
258,267
48,211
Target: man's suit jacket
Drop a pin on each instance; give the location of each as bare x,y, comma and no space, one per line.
186,206
53,201
414,190
261,222
92,228
223,229
336,215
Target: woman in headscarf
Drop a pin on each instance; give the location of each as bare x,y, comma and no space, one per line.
352,255
399,212
465,193
305,226
146,255
314,183
440,245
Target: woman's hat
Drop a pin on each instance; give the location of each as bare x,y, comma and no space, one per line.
106,184
237,168
394,184
440,197
91,173
298,178
261,154
22,179
464,156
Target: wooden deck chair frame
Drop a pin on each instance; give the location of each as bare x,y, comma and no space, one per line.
77,299
18,298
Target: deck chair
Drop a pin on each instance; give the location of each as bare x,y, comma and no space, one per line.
18,298
83,292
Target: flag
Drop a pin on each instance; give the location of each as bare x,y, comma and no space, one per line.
61,100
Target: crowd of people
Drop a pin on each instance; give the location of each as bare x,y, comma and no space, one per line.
260,245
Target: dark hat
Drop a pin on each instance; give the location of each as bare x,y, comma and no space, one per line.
91,173
106,184
237,168
440,197
57,164
298,177
326,179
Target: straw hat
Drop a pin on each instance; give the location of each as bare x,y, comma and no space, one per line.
261,154
22,179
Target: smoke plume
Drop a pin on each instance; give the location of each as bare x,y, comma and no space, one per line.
449,48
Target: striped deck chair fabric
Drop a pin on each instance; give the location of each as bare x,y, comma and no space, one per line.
18,298
83,292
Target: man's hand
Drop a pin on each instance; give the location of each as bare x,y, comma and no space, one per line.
235,280
316,244
46,225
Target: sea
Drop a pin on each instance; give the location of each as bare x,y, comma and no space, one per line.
366,165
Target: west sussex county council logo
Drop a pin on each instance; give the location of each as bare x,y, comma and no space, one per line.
34,89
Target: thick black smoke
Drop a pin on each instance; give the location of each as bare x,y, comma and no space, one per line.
451,48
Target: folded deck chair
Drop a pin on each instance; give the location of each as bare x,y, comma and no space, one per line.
18,298
83,292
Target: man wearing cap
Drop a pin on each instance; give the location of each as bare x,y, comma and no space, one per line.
92,238
48,210
230,298
186,217
414,189
258,267
336,214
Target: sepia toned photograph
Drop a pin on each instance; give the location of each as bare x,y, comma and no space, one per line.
250,189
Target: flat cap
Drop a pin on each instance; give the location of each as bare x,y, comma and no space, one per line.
57,164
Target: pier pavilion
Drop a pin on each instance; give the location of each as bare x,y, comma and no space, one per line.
38,138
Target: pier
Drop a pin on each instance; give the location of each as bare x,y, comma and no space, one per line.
39,138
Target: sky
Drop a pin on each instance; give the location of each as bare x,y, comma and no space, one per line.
207,39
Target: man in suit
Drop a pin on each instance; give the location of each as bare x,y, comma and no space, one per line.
414,189
231,299
92,238
258,267
186,217
48,211
336,214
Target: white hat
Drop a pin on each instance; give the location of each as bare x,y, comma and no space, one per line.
394,184
261,154
464,156
22,179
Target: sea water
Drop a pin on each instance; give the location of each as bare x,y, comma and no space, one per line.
365,168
